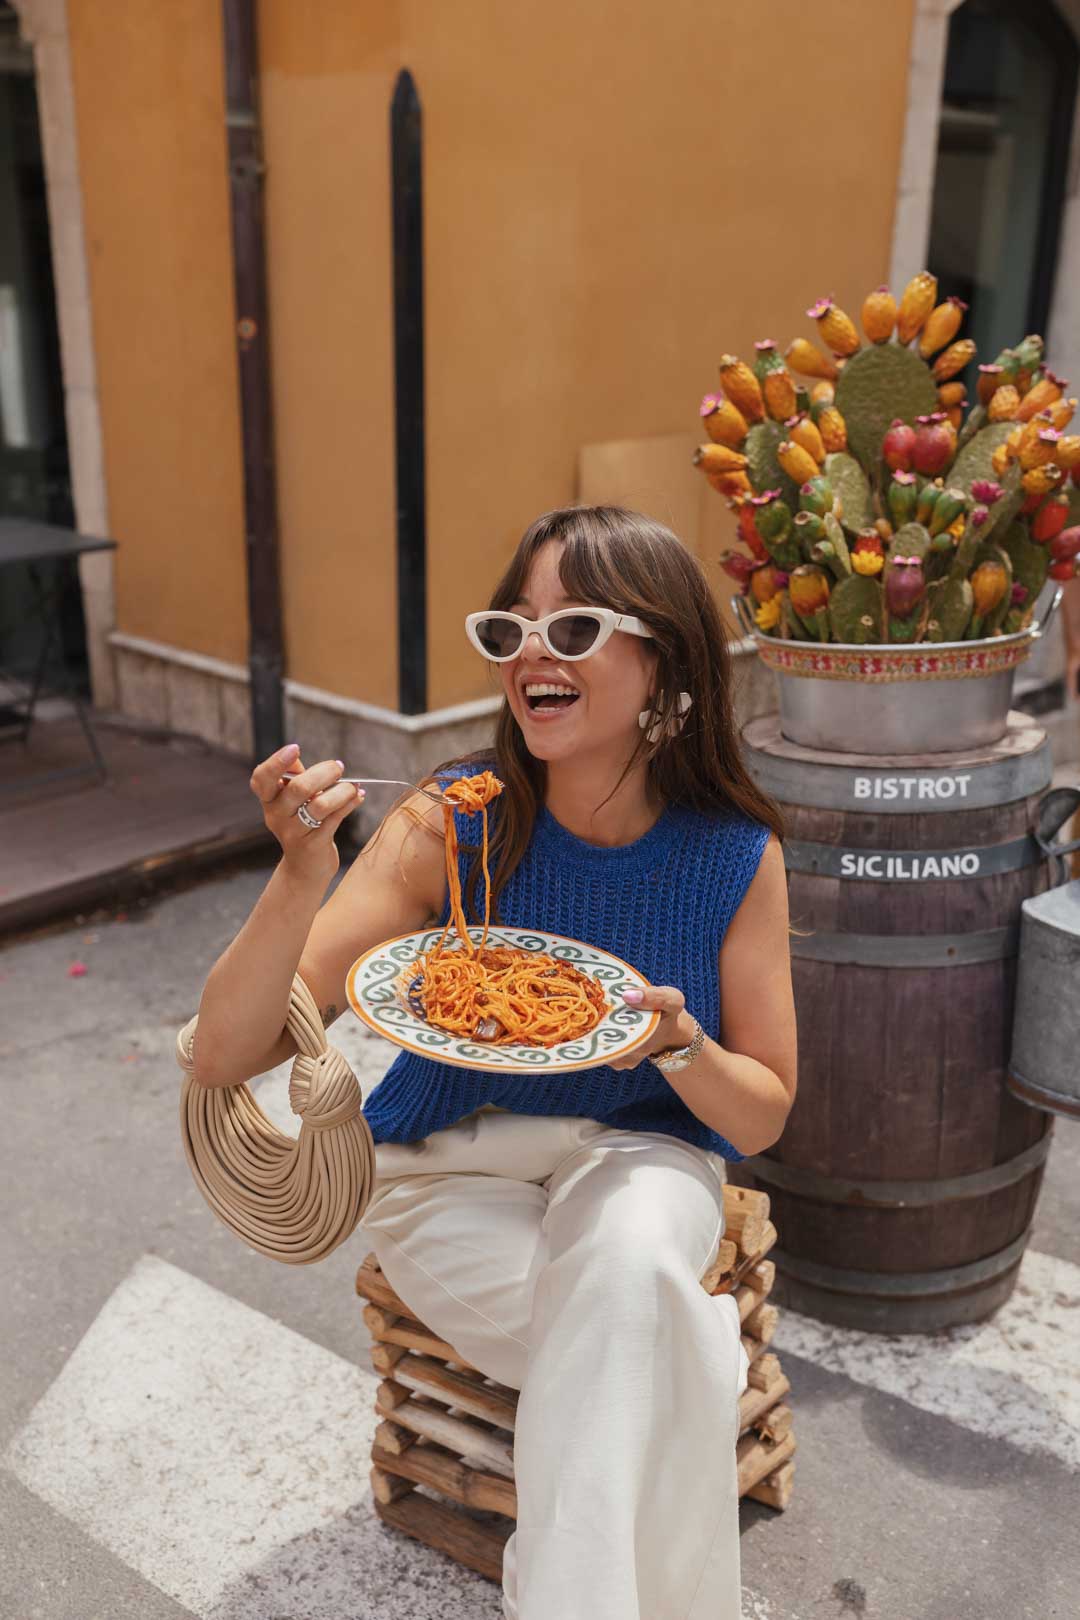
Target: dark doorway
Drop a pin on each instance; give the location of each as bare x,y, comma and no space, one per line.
35,479
1003,150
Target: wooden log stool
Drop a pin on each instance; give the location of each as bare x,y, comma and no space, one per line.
447,1427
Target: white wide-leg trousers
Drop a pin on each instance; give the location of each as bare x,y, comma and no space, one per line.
564,1259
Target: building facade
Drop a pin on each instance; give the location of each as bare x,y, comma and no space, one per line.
610,201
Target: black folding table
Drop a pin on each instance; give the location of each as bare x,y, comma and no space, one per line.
25,541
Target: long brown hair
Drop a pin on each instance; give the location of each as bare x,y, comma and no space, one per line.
617,558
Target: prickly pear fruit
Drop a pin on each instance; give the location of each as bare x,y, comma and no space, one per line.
724,422
1036,452
901,496
991,378
807,359
823,391
898,446
927,499
808,588
836,328
868,553
830,424
804,432
950,394
1004,403
798,463
952,360
1067,454
738,565
1043,392
777,387
1050,518
950,504
719,458
816,495
748,533
773,520
809,529
1041,480
934,444
942,325
905,586
1066,544
879,315
991,584
742,387
766,581
916,302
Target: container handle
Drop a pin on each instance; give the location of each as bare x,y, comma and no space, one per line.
1038,628
1053,810
741,609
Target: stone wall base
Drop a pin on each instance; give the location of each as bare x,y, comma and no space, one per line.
194,695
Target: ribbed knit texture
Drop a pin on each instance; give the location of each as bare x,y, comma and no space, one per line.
663,903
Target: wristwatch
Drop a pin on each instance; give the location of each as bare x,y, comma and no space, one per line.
670,1059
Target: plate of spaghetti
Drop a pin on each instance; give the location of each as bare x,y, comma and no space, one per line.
493,997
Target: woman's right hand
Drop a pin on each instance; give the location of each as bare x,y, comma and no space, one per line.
310,852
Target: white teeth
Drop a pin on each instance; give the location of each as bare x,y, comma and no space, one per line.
548,689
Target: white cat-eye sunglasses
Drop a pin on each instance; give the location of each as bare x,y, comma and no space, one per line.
569,633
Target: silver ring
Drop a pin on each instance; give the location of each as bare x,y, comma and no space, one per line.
306,817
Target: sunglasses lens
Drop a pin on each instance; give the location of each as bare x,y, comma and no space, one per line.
500,638
574,635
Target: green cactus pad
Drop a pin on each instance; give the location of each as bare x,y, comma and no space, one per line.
1028,559
952,603
1074,507
911,540
877,385
854,599
763,469
835,533
974,460
849,481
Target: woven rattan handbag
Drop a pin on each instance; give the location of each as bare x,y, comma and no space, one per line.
291,1198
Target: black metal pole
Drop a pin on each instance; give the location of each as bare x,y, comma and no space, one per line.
246,169
406,170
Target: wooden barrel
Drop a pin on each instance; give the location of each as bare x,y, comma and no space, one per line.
904,1185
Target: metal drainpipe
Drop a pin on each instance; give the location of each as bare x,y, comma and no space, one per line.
246,171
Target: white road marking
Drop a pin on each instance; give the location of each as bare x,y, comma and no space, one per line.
1013,1377
225,1458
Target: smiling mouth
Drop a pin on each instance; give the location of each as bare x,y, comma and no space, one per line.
548,702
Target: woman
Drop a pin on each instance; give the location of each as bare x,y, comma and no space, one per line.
555,1228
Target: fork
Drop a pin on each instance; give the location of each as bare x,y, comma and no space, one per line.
388,781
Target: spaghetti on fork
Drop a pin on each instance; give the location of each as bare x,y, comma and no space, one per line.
498,994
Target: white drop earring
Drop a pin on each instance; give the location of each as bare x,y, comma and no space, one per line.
674,725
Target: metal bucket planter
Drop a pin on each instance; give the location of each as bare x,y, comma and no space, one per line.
934,697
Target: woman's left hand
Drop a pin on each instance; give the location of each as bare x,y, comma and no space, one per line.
676,1027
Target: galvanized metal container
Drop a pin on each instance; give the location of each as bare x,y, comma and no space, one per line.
931,698
1044,1065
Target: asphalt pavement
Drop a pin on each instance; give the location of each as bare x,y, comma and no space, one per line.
185,1425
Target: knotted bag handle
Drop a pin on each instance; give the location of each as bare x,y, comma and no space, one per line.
293,1199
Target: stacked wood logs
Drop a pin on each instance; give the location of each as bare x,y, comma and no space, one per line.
446,1426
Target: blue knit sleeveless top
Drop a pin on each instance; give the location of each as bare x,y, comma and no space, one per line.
663,903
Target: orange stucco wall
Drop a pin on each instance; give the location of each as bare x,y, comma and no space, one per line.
613,198
149,107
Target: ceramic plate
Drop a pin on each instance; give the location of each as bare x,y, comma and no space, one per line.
374,997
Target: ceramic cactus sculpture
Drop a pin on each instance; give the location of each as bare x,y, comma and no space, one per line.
875,502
